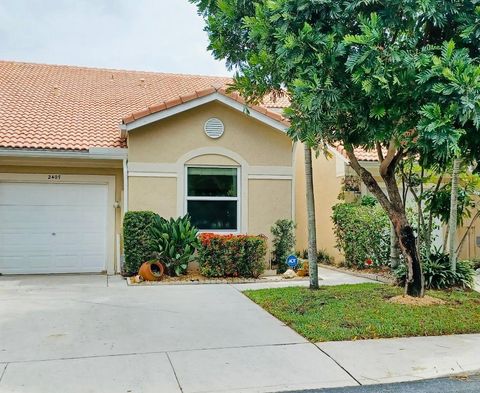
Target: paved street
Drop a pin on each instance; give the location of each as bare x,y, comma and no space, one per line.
460,384
90,333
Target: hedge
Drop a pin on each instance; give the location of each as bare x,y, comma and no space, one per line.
137,239
232,255
283,242
362,233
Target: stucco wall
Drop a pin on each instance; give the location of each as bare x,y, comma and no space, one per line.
268,201
153,193
159,152
168,139
327,187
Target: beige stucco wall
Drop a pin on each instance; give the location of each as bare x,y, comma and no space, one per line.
168,139
153,193
72,167
327,187
268,201
159,152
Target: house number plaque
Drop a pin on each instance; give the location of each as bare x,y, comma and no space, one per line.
54,177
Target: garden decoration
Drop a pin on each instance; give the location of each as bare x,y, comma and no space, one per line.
151,271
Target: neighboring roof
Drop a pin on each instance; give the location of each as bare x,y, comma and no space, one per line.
195,95
361,154
276,101
76,108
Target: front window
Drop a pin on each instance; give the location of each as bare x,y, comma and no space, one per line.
212,198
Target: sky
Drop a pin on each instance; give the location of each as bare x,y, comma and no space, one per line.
146,35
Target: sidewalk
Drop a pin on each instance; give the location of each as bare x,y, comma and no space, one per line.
405,359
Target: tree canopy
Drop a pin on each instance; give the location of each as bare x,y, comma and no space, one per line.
397,76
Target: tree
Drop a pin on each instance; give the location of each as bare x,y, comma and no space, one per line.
230,40
351,70
312,225
452,120
452,223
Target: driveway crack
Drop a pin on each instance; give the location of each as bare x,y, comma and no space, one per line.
3,372
174,372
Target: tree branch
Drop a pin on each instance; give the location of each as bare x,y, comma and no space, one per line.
379,151
391,154
368,180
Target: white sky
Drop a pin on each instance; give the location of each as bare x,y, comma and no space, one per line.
150,35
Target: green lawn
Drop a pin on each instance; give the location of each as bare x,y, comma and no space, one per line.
349,312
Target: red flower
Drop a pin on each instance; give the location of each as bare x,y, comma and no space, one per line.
368,262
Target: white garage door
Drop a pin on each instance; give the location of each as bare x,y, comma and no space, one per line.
52,228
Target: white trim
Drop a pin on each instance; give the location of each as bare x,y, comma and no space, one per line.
243,178
336,153
152,174
271,170
152,118
237,199
270,177
94,153
79,179
108,151
152,167
125,186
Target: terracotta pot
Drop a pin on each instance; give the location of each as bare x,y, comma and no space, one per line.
151,271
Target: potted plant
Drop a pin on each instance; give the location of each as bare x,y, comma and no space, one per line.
151,270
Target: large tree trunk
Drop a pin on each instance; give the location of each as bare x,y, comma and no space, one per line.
395,209
452,224
312,228
394,252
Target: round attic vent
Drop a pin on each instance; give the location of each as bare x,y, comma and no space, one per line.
214,128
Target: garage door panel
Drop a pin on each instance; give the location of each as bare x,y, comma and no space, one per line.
15,264
21,217
53,228
19,244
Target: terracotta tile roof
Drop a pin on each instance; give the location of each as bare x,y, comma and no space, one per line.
361,154
158,107
46,106
76,108
276,101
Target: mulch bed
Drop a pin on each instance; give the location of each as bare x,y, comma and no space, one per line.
195,279
384,275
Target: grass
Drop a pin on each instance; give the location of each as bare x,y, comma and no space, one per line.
362,311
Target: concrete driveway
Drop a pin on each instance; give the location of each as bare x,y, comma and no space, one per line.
95,334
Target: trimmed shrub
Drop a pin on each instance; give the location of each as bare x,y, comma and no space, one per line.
439,275
362,233
174,242
137,239
232,255
283,242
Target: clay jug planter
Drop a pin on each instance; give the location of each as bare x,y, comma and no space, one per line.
151,271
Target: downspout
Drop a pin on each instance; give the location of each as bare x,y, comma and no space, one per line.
123,133
125,185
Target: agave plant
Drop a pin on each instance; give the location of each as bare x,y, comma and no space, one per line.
174,242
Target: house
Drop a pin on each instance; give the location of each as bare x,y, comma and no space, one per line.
81,146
